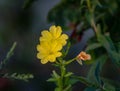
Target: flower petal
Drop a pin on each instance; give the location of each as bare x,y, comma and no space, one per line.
41,56
58,54
58,31
64,36
44,61
56,46
52,58
46,34
43,39
38,47
53,31
41,49
62,39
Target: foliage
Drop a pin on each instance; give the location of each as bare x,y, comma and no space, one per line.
24,77
3,63
83,11
102,17
9,54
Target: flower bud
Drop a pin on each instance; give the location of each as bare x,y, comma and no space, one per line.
83,56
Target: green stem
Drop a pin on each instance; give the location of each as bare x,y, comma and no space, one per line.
70,61
91,11
88,5
93,25
9,54
63,86
63,71
62,66
67,49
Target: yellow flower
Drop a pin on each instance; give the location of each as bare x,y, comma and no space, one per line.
83,56
51,43
48,52
54,34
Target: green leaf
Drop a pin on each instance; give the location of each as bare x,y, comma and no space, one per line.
98,3
13,75
17,76
97,73
51,80
105,40
110,42
82,1
67,88
110,84
73,81
107,43
30,76
108,87
55,74
65,52
115,56
88,16
93,46
81,79
94,72
57,89
68,74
